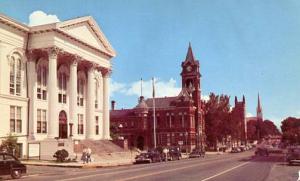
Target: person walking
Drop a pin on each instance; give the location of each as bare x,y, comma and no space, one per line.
84,155
89,154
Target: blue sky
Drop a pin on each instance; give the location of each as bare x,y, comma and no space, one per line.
244,47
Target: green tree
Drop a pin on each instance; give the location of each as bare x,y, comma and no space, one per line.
10,145
290,128
216,118
114,132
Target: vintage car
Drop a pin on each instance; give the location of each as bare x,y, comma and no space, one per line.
196,153
293,155
10,165
148,157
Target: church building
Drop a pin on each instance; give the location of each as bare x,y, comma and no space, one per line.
179,120
54,82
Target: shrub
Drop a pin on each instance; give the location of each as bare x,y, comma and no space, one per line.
61,155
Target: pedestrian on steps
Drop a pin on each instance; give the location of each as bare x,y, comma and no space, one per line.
84,156
89,155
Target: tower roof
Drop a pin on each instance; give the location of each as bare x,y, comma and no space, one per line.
190,56
259,109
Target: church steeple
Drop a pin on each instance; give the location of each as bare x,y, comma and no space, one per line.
259,109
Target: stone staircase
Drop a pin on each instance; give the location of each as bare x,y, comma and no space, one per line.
103,151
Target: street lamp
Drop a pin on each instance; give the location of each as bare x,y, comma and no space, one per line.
186,141
120,127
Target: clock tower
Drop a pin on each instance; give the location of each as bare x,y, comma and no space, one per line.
191,82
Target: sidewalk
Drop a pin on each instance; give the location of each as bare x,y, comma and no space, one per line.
105,160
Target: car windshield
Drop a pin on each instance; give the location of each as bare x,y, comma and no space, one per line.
9,158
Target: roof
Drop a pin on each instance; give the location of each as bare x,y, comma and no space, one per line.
190,56
60,28
121,113
161,102
13,23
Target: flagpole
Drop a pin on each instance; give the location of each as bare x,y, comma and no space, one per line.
154,117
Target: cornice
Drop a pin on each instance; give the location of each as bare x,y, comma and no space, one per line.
16,98
109,55
13,23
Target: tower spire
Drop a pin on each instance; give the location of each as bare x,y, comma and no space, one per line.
190,55
259,109
141,87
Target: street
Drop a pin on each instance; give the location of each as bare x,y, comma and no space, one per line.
238,166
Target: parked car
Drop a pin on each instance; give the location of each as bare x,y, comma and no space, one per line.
10,165
174,153
148,157
235,150
293,155
262,152
196,153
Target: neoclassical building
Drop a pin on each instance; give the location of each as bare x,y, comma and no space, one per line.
54,81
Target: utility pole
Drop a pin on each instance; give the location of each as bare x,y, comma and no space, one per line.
154,117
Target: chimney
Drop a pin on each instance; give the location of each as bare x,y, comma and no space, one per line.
113,103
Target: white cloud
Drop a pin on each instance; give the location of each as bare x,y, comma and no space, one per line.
40,18
117,87
249,114
162,88
205,97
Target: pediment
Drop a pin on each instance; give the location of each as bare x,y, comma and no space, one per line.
86,30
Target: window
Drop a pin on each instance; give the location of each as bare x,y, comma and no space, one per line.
80,124
15,75
42,82
41,121
62,85
15,119
97,125
96,94
80,92
182,121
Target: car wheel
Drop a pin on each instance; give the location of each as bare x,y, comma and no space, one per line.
16,174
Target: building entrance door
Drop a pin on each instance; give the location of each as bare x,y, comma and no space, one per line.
63,125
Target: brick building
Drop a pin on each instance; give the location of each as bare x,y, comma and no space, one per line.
179,119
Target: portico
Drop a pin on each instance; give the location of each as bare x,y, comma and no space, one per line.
62,80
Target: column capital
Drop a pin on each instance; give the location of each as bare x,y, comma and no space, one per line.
106,73
53,52
31,55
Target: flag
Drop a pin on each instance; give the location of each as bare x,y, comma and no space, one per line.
153,88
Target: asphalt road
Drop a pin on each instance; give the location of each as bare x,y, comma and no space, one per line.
235,167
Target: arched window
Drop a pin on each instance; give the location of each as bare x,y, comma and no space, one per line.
42,80
15,79
80,89
62,84
96,94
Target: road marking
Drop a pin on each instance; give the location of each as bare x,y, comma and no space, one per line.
143,168
225,171
126,171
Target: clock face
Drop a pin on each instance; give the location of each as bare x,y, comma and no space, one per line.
188,68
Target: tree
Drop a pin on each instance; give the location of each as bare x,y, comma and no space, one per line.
114,131
290,128
265,128
10,145
216,117
252,130
269,128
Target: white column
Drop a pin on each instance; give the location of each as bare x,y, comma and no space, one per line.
52,94
32,92
106,125
90,113
100,104
73,96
